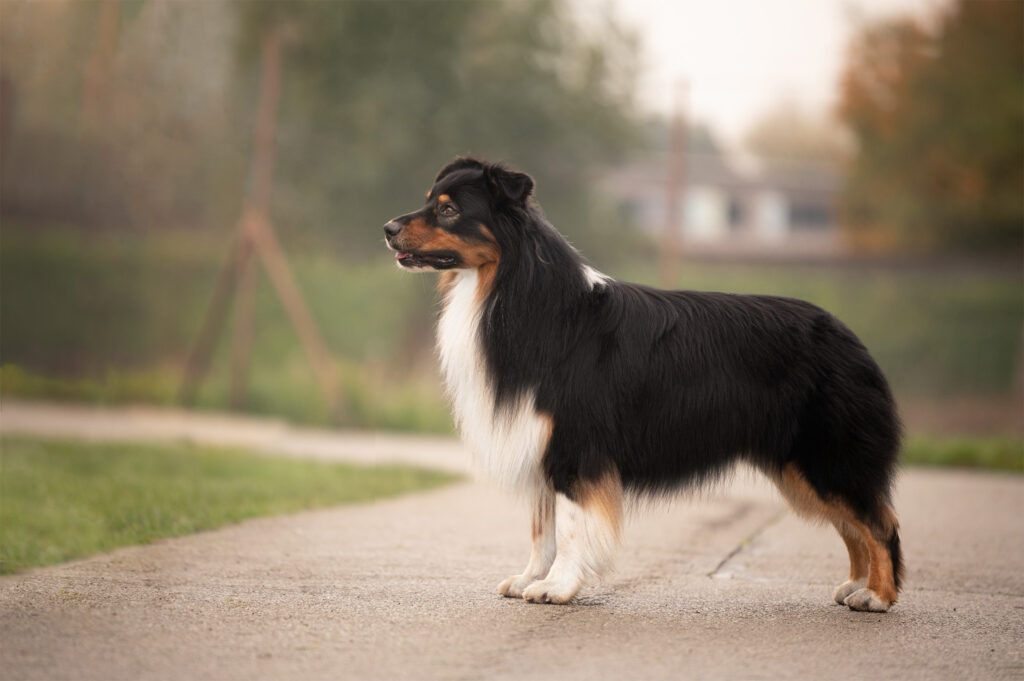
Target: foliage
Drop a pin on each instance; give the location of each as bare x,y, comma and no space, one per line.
700,137
64,500
788,132
163,152
939,121
1005,453
379,95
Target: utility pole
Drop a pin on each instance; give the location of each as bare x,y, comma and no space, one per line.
255,235
675,180
96,78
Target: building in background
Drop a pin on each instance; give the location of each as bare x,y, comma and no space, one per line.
735,206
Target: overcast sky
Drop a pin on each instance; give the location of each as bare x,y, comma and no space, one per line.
741,56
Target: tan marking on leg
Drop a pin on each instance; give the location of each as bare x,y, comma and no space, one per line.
880,577
604,497
542,513
857,550
805,501
543,546
589,526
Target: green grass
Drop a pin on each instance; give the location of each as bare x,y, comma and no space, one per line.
61,500
997,453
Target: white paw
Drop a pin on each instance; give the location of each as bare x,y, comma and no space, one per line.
847,588
514,585
866,599
551,591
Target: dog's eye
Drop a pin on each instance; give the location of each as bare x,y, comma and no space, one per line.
447,211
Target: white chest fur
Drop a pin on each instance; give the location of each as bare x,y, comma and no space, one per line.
507,445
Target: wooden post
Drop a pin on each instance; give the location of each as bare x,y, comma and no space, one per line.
199,359
96,78
302,321
241,339
674,182
256,234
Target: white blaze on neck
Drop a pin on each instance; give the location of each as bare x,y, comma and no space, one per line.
595,278
506,444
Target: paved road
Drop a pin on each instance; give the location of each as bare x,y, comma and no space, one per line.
724,585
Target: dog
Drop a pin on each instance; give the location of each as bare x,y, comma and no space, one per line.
582,391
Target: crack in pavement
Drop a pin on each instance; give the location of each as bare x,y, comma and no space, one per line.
747,541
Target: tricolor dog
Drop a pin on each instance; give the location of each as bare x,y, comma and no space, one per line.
581,391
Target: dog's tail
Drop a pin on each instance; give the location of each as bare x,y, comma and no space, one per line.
886,529
892,543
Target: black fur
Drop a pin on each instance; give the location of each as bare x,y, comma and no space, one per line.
893,544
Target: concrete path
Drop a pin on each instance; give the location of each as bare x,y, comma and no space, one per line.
724,585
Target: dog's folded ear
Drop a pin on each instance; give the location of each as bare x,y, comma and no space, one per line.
459,163
509,185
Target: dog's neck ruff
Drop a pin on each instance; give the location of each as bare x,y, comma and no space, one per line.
508,440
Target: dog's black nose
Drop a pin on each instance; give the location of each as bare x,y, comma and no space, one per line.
392,228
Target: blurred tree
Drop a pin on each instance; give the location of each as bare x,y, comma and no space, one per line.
379,95
701,138
938,117
788,132
124,121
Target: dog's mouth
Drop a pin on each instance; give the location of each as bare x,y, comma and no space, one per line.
438,260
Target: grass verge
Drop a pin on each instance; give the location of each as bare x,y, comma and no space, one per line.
996,453
61,500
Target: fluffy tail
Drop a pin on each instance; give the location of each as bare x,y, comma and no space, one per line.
893,544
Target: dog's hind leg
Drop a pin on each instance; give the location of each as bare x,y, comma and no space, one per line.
543,552
881,536
589,520
858,561
872,542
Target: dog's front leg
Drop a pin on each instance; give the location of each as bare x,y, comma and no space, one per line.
589,519
543,552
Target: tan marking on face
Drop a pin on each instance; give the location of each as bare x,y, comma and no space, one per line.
444,198
604,498
489,256
415,232
417,235
805,501
485,280
445,281
429,192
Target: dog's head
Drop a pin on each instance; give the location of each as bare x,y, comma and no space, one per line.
455,228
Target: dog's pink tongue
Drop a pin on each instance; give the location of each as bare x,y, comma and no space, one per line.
402,256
